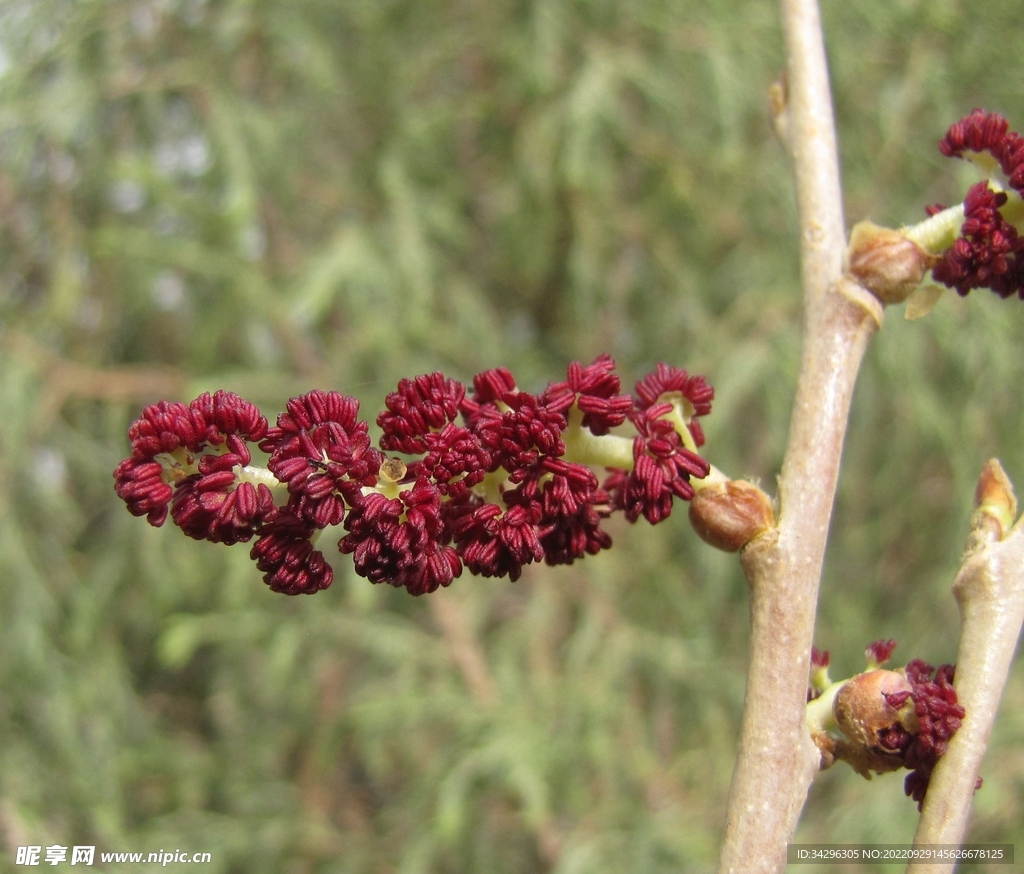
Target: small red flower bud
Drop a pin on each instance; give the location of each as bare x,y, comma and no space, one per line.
878,652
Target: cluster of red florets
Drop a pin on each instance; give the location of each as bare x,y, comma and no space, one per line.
489,488
909,726
988,252
939,716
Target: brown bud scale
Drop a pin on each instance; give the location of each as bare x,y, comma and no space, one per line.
728,515
886,263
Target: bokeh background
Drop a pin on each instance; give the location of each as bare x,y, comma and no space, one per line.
271,196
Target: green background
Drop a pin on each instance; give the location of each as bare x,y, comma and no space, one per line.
271,196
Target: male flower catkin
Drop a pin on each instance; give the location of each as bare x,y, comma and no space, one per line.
491,480
974,244
883,720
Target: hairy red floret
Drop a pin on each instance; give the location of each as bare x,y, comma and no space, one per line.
163,427
594,390
170,441
321,449
988,254
572,508
662,467
939,716
456,460
213,507
666,382
518,438
290,563
228,418
983,131
879,651
496,542
489,387
141,485
402,541
419,407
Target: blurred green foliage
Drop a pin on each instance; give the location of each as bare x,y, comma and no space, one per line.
275,195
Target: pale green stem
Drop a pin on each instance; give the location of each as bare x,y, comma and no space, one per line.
937,233
819,711
584,447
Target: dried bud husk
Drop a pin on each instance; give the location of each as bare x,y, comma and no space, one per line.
728,515
392,469
886,263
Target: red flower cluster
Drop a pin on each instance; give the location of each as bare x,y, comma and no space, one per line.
938,718
491,486
888,719
989,253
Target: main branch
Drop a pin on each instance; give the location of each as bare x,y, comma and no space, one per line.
777,761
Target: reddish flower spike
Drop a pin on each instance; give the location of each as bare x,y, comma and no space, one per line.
988,252
191,462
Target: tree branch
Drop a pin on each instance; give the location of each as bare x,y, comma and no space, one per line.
990,591
777,760
812,142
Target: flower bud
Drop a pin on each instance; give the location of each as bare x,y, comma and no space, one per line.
886,262
994,500
728,515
